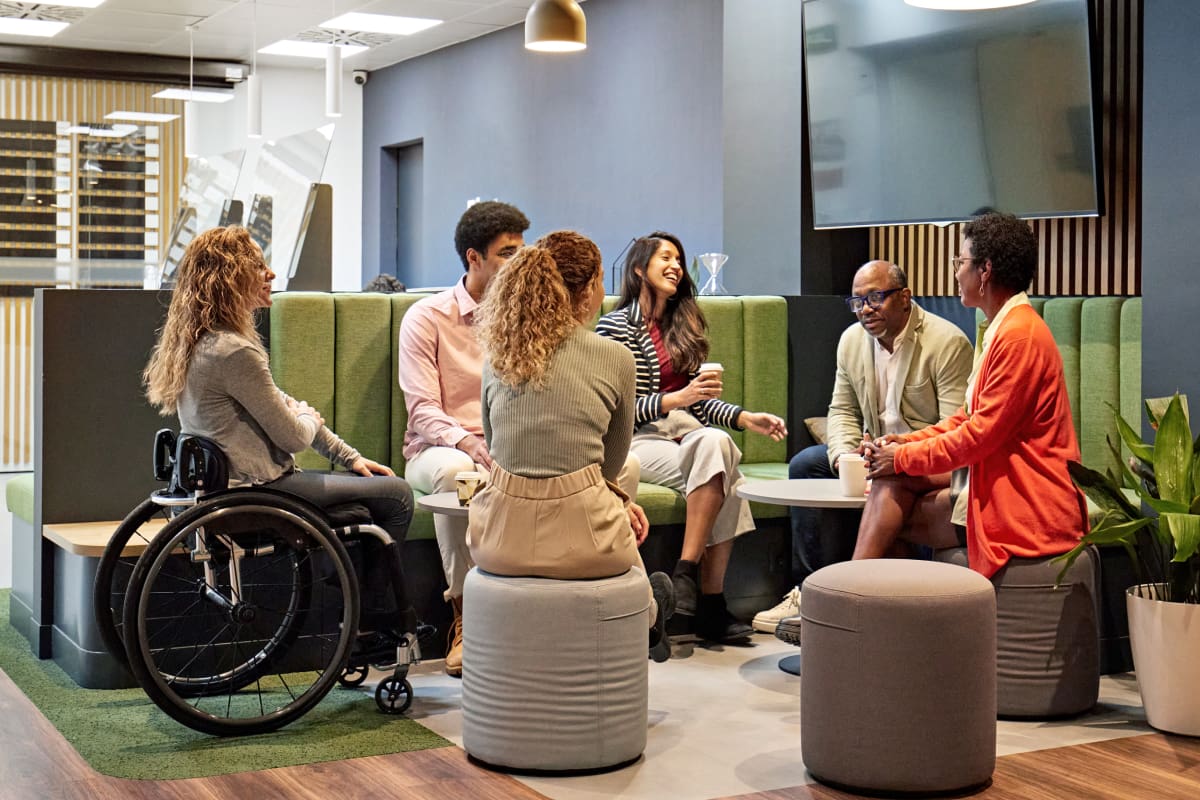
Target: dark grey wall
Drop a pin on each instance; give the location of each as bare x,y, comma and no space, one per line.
615,141
1170,198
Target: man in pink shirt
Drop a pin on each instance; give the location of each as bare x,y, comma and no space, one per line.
441,366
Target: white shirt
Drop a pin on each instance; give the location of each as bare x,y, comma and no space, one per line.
886,366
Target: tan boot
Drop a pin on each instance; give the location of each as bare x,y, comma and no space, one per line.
454,648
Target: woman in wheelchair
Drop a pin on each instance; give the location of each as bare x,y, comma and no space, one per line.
209,367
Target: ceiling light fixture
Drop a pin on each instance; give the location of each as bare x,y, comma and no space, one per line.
45,28
253,87
555,26
295,47
380,23
333,73
197,95
141,116
966,5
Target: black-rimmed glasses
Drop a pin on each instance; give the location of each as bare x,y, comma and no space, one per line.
873,299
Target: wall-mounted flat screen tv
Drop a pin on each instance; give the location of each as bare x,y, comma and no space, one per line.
928,116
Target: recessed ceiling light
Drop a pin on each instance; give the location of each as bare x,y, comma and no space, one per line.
141,116
379,23
31,27
292,47
116,131
199,95
71,3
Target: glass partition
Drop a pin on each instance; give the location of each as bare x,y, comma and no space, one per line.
205,201
284,192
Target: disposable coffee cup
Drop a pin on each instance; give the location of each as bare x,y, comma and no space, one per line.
712,366
467,484
852,473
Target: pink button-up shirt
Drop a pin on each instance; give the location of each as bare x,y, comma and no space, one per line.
441,365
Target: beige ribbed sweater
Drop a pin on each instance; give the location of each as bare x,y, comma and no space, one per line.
583,415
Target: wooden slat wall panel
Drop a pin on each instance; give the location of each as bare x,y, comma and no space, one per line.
46,99
1079,256
16,384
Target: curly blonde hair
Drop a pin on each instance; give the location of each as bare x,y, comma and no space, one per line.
218,282
534,303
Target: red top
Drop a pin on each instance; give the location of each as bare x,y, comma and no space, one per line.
1017,442
668,379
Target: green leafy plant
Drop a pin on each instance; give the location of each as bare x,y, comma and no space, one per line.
1162,532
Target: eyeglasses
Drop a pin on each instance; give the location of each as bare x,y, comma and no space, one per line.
957,261
872,299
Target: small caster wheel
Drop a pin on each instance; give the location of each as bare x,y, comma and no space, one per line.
352,677
393,696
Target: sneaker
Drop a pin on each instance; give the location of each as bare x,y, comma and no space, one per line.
788,630
766,621
716,624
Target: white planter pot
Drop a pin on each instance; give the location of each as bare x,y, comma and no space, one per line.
1166,657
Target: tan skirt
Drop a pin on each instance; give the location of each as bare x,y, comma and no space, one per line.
570,526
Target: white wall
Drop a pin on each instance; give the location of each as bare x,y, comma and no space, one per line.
293,102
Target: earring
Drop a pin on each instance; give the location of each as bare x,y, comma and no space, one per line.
981,290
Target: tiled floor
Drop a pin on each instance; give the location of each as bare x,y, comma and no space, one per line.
727,722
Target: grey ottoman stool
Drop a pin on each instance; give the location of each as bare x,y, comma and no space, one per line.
898,686
1047,637
554,672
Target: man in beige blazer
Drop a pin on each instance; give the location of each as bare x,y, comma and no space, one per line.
899,369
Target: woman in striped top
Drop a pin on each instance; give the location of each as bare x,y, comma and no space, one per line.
659,321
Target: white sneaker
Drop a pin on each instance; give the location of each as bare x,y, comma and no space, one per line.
766,621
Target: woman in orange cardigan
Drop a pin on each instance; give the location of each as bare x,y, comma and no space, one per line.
1015,433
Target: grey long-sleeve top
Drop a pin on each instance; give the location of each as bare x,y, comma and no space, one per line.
584,414
230,397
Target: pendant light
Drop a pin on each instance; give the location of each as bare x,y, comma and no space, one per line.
191,125
253,87
333,74
555,26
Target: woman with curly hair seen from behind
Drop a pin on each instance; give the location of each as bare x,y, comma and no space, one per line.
557,418
659,321
210,368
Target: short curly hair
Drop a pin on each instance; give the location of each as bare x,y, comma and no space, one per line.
1009,243
482,222
385,284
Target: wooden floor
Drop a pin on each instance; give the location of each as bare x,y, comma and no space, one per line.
36,763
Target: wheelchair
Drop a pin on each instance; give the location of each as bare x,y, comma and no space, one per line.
243,608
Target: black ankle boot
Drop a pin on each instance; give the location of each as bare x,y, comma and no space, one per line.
686,577
664,599
716,624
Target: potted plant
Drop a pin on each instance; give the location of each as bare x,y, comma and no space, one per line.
1161,533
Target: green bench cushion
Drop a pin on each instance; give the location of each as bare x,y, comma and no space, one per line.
18,494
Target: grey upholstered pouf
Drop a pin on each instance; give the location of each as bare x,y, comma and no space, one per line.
554,672
1047,636
898,681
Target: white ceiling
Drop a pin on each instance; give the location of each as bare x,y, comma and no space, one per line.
224,29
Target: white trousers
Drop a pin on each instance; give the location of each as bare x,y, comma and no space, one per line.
692,462
433,470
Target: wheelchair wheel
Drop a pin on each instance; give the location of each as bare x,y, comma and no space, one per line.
112,575
241,614
353,677
394,695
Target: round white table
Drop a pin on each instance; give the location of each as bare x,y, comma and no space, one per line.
806,492
443,503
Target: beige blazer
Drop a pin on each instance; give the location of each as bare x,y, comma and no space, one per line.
934,370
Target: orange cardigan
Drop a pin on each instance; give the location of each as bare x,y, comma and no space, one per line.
1017,442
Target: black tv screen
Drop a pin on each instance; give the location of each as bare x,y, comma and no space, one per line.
928,116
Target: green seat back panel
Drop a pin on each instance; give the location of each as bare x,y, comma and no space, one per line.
1131,363
18,495
401,303
363,373
726,344
303,326
1099,378
1063,316
421,526
765,383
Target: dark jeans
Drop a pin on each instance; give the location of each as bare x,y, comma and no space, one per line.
383,590
820,536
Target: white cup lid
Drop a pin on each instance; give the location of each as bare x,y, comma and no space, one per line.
467,476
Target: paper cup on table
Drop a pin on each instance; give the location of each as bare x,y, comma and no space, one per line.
467,484
852,472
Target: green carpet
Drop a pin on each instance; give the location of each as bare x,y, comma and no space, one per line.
121,733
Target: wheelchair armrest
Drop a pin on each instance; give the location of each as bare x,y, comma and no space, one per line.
164,454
